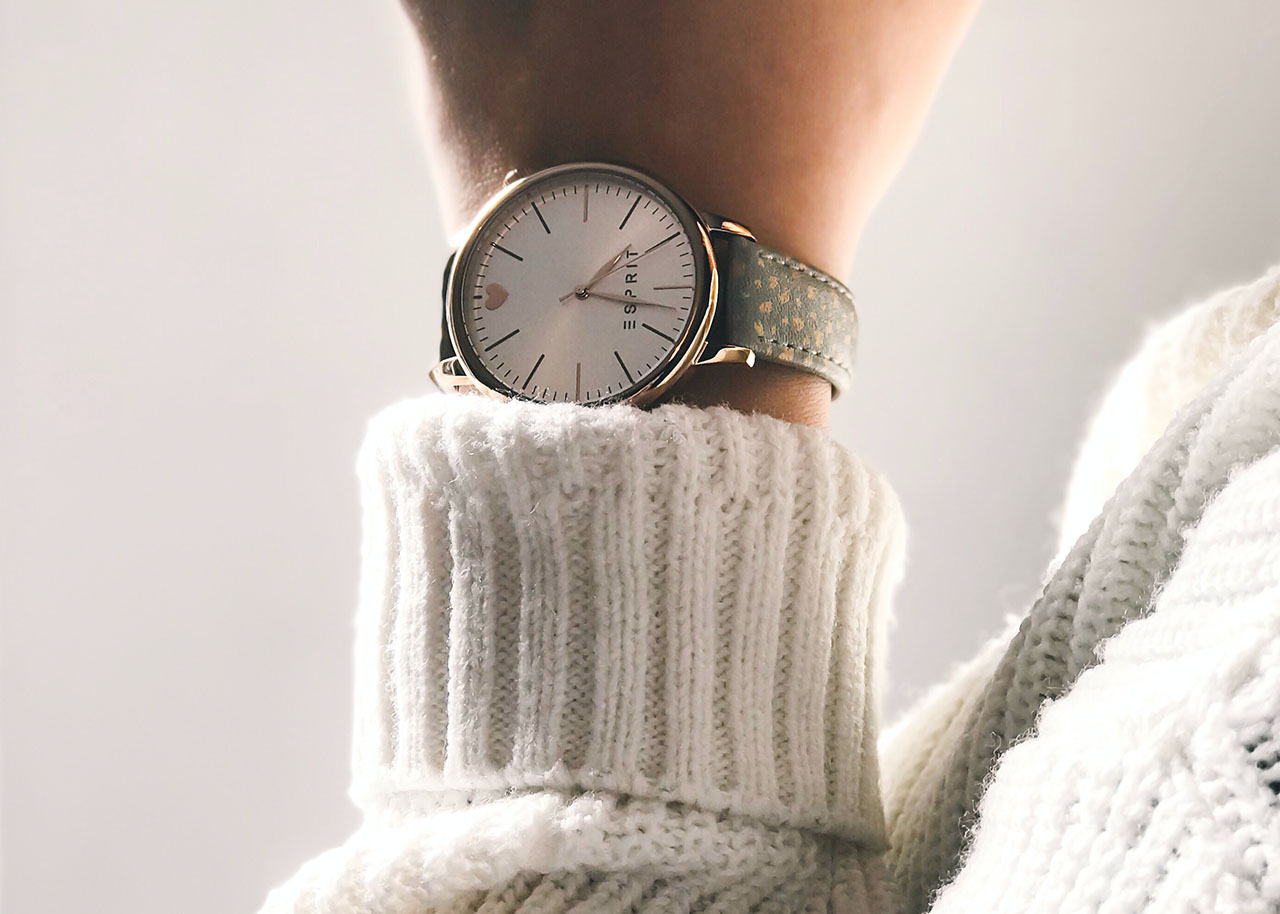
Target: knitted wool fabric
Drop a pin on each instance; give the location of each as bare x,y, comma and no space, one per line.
588,642
1153,784
1175,362
613,660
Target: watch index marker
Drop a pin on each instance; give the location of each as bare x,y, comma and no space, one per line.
577,384
625,370
658,245
508,253
540,219
629,212
501,341
525,385
662,288
669,339
586,196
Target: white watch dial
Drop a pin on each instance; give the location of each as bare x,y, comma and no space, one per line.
578,288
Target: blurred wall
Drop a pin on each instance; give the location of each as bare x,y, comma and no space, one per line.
219,255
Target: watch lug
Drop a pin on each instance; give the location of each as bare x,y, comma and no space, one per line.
448,375
731,355
718,225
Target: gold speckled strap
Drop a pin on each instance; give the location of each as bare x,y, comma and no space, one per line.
785,311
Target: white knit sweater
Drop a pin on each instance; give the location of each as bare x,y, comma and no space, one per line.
1152,785
609,658
612,660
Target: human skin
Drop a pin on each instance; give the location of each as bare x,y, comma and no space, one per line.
788,117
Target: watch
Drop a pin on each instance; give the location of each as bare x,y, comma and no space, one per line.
593,283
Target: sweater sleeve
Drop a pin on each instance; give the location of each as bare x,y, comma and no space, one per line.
616,659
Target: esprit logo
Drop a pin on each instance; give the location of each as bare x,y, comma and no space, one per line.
629,283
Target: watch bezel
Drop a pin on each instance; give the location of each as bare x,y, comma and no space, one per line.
689,345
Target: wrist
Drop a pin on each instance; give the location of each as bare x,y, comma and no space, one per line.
763,389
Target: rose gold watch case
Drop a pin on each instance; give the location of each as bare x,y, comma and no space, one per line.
465,370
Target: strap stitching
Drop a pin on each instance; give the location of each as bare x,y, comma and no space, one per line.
822,355
798,267
840,290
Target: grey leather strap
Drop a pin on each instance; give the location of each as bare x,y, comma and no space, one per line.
784,311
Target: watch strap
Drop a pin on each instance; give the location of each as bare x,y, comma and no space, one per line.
784,311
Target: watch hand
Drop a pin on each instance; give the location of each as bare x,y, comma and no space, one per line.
600,274
615,266
627,299
608,267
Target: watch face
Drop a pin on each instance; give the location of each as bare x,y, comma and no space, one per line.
582,284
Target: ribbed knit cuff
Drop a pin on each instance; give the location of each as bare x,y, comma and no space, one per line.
678,604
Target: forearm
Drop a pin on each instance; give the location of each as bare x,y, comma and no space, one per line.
790,118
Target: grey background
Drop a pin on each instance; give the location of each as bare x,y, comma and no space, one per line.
219,255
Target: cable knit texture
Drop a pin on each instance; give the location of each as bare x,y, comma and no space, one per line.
615,661
1151,784
630,652
1154,782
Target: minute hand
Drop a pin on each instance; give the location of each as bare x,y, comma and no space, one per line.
627,299
630,263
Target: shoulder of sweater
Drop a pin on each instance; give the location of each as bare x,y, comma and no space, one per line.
946,751
1177,358
1154,779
